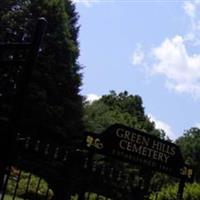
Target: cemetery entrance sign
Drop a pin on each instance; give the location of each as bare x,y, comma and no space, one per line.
135,146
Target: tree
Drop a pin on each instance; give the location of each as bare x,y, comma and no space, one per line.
116,108
126,109
190,147
53,105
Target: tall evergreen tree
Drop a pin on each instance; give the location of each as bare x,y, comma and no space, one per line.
53,105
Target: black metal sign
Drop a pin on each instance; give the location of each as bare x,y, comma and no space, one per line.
135,146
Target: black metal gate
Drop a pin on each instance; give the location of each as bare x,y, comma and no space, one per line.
17,61
32,169
20,184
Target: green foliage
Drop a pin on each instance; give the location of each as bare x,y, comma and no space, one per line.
191,192
90,196
53,106
190,147
126,109
32,187
167,193
9,197
159,180
116,108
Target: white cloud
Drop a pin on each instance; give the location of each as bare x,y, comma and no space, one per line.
138,56
190,8
197,125
182,71
92,97
164,126
171,58
87,3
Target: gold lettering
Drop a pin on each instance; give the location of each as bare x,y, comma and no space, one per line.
129,146
139,139
142,140
167,149
173,151
133,137
140,149
155,145
144,151
122,144
150,152
155,155
162,147
145,141
135,149
160,156
127,135
119,133
166,157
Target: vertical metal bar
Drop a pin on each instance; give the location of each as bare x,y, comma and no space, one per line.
27,70
81,195
156,196
22,83
38,186
7,174
47,193
181,189
4,186
28,183
88,196
17,185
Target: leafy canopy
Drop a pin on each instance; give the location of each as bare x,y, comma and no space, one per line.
116,108
190,147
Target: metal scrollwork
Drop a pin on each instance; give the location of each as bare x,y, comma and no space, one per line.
95,142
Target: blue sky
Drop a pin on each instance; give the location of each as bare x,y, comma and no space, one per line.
149,48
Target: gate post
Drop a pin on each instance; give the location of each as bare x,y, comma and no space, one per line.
60,188
26,72
181,189
89,164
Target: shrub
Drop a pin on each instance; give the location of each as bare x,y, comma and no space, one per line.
191,192
32,186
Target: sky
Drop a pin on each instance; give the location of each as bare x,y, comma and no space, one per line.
149,48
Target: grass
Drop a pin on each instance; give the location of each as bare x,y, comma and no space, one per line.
9,197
